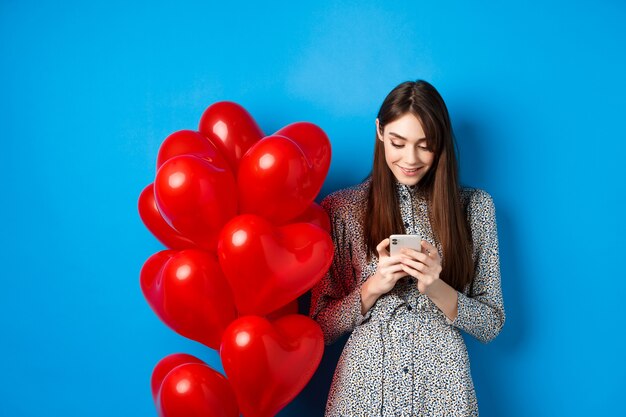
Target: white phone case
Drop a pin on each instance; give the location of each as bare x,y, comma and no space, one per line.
397,242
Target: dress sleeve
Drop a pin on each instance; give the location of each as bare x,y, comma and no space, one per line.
481,313
336,299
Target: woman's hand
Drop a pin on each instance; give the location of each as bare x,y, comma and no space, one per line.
388,272
425,266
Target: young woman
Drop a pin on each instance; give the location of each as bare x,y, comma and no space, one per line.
406,356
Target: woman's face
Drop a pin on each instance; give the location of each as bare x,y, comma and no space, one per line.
405,149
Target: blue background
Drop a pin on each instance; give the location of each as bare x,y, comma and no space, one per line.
89,90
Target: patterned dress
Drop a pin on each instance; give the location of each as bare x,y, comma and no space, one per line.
404,356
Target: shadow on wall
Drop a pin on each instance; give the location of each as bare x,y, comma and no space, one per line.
470,153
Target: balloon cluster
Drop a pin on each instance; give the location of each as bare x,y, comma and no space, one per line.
236,210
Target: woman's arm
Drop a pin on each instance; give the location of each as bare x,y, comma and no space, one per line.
481,313
336,299
445,297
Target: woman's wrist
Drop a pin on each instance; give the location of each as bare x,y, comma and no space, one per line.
368,297
444,297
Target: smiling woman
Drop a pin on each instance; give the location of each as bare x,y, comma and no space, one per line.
406,148
406,311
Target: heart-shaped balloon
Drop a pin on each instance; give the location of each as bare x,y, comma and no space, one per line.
151,217
268,266
195,197
269,363
164,367
196,390
316,215
314,143
287,309
152,268
231,128
189,294
190,142
275,180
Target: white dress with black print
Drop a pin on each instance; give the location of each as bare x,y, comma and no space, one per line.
404,357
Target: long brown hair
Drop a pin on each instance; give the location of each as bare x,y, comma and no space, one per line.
440,183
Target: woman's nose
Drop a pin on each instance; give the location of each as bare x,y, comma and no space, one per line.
410,156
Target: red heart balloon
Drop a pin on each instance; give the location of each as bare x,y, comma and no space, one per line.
314,143
267,266
316,215
190,142
269,363
195,197
164,367
231,128
287,309
189,294
152,268
196,390
275,180
151,217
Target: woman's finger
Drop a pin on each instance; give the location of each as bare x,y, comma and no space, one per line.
412,272
381,248
422,257
418,266
397,275
390,269
429,249
390,260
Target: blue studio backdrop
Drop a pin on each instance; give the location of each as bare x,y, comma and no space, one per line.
89,90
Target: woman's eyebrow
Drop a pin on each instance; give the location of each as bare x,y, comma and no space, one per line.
395,135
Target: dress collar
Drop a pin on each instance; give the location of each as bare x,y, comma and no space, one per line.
408,192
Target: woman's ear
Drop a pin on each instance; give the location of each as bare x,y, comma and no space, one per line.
379,133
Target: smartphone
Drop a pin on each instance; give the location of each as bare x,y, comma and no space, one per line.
397,242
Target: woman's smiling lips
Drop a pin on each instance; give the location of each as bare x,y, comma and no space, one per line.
409,172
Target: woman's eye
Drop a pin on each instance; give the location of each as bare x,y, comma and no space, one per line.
395,145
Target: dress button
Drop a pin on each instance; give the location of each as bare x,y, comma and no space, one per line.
408,307
406,224
406,370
